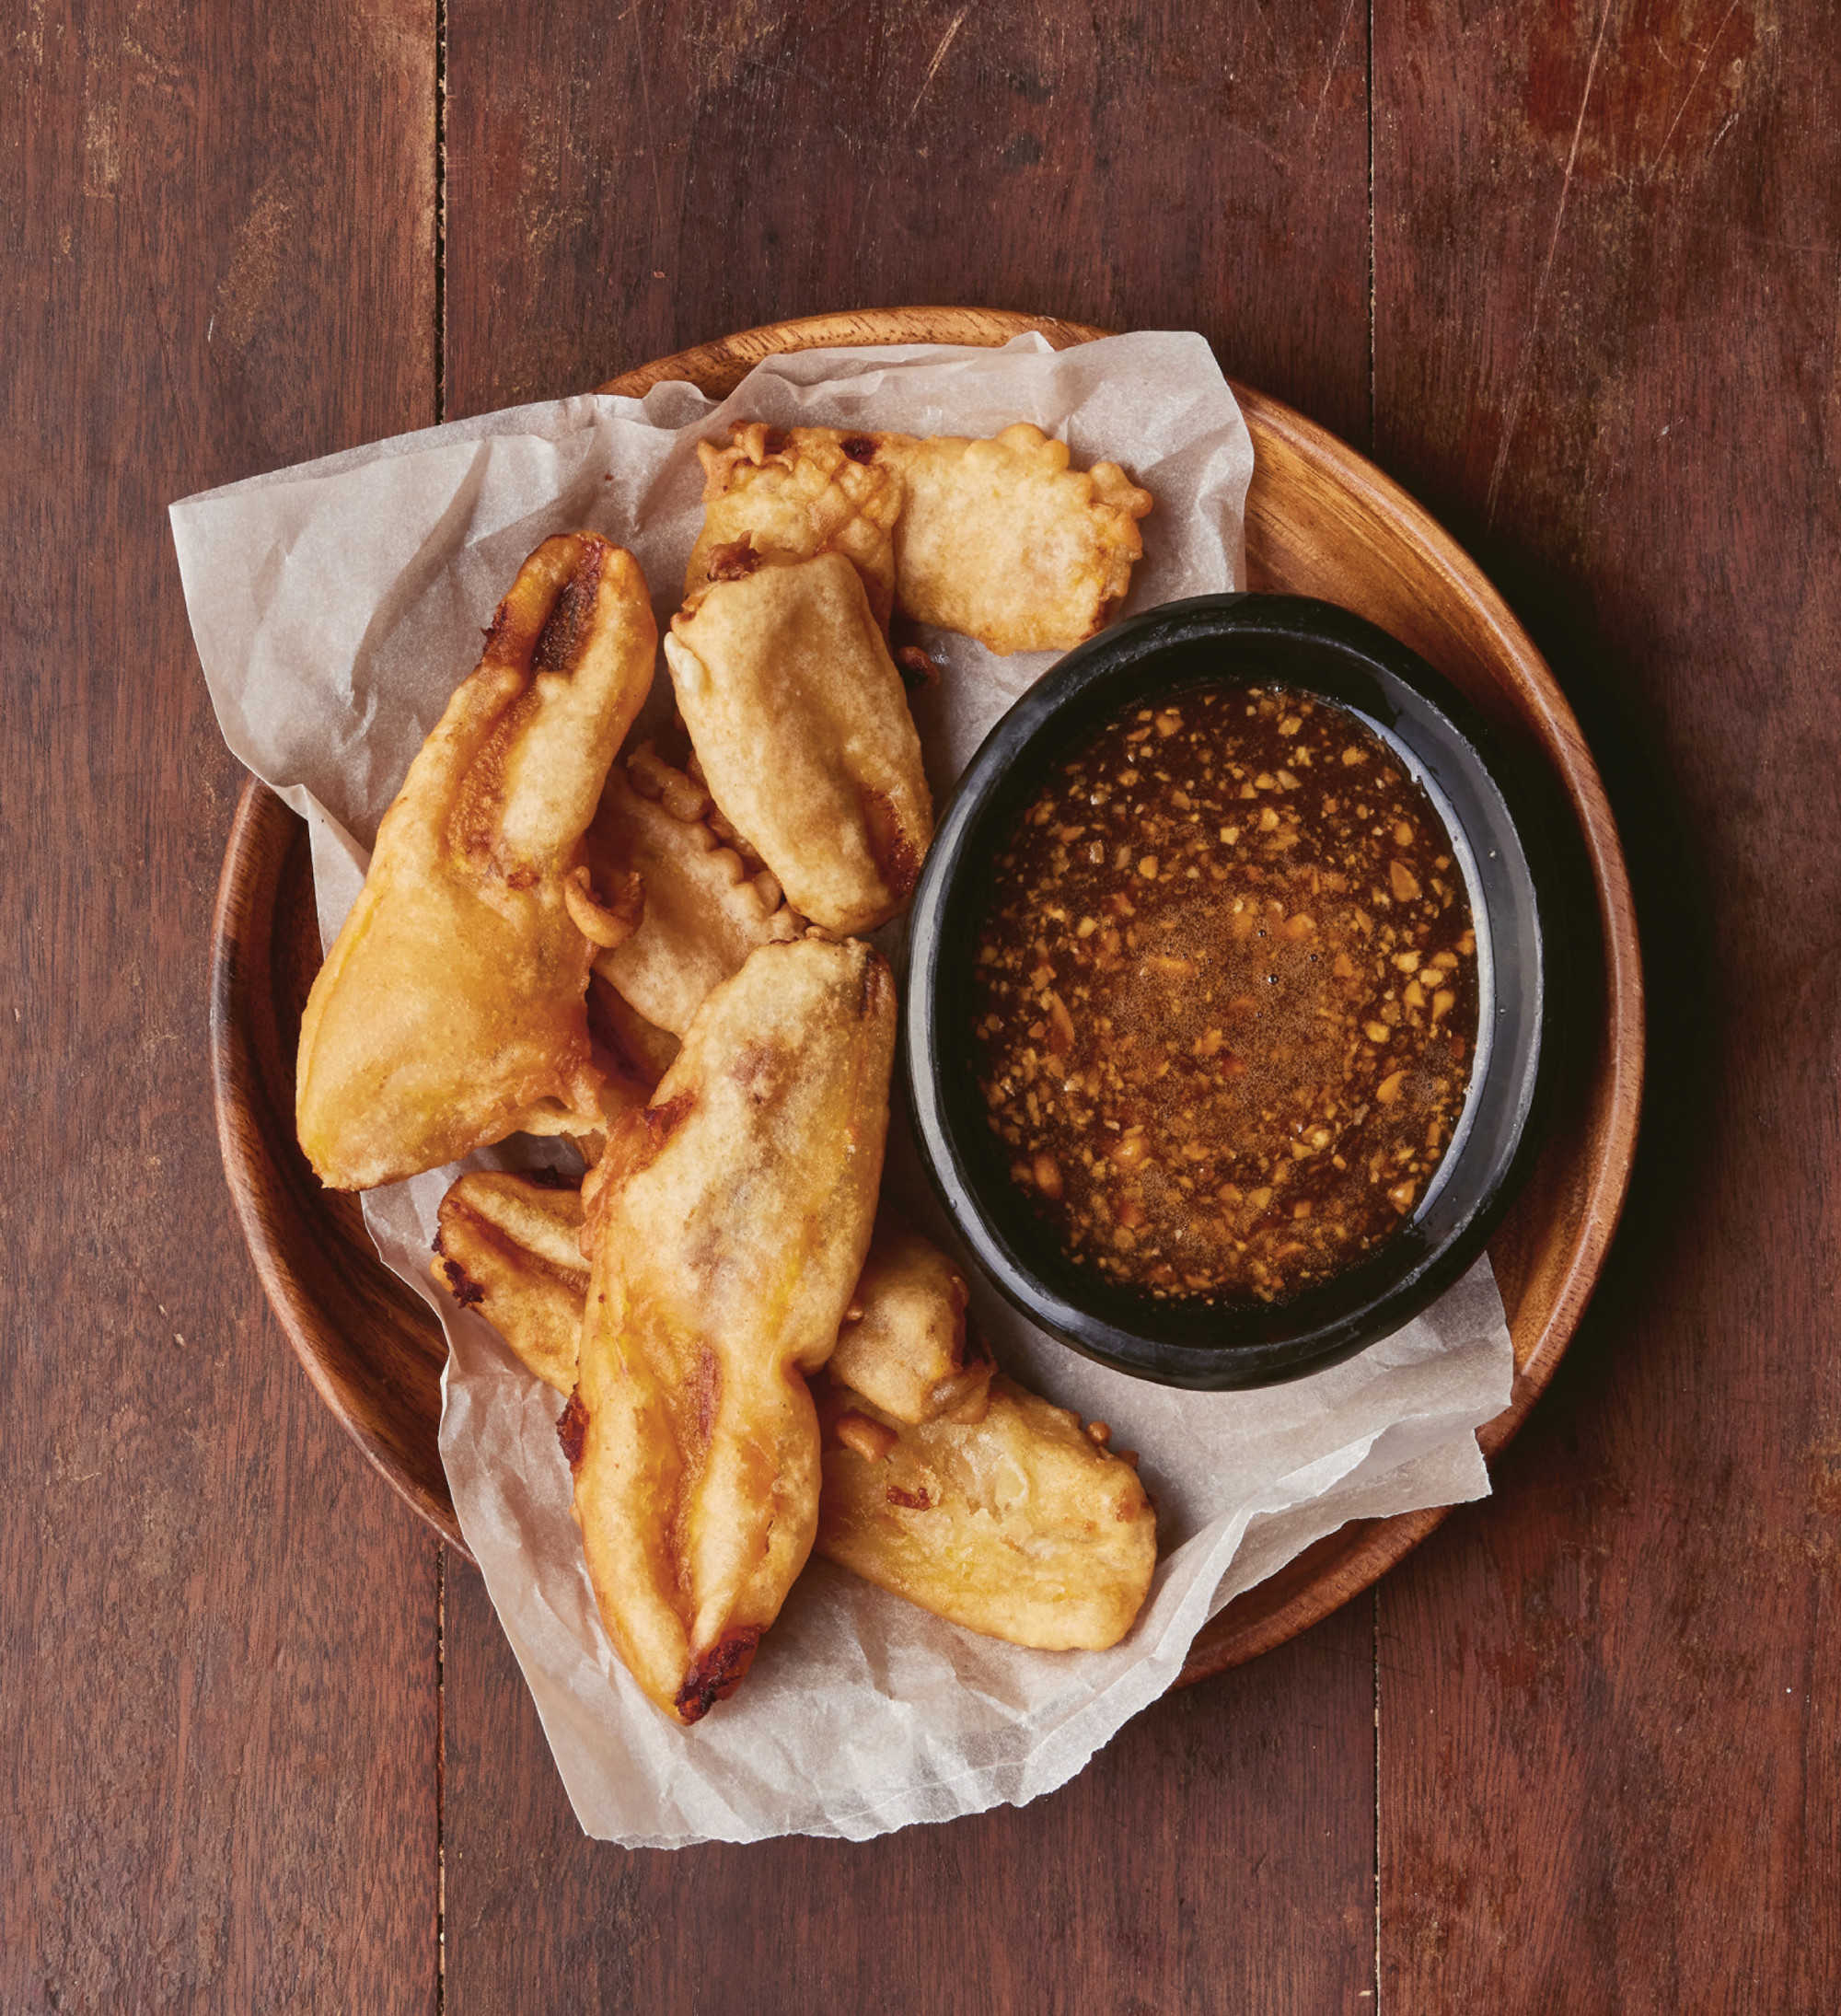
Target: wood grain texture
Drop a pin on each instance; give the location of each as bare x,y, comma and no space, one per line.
1606,273
621,185
372,1350
1235,1804
1604,354
217,1636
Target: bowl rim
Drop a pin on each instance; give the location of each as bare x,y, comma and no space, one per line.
1266,1344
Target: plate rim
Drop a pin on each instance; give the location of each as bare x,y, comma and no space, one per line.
1352,1559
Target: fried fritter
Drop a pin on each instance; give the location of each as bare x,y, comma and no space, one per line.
801,723
640,1051
705,911
1029,1531
449,1011
512,1247
771,494
726,1229
903,1343
1021,1524
1001,539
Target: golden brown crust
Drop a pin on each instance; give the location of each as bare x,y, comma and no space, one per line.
727,1227
802,729
1021,1526
705,907
627,1046
773,495
511,1246
449,1011
1041,1535
1003,540
903,1340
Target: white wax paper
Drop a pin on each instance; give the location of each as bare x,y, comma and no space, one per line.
335,606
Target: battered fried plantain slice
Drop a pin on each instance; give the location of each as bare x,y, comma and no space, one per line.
705,910
903,1343
449,1011
1001,540
638,1052
801,724
726,1229
771,494
1001,1514
511,1246
1021,1526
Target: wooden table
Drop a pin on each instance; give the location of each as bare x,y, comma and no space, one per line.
1572,274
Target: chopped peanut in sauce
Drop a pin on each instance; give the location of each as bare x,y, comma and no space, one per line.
1241,1084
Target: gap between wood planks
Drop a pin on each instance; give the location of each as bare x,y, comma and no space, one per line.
1375,1633
440,211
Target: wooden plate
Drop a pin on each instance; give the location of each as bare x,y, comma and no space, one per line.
1321,521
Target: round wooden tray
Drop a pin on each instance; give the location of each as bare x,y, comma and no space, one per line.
1320,520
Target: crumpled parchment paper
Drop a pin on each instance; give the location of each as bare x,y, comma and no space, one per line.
335,608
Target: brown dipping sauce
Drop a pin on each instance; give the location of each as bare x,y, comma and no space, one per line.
1226,996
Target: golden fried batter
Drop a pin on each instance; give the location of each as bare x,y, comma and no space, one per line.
637,1051
1020,1525
512,1247
705,911
449,1011
903,1343
1001,539
790,496
1030,1530
801,724
726,1228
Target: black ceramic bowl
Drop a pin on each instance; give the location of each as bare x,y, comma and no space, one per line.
1490,807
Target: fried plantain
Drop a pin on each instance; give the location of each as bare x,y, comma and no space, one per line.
726,1229
449,1011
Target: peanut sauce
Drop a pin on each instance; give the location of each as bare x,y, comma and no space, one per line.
1226,996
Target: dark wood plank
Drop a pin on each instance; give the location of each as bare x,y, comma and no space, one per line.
619,186
1605,269
1206,1860
217,1628
623,185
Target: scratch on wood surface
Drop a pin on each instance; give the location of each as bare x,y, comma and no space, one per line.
1329,73
640,61
946,41
1511,418
1730,120
253,278
1707,57
183,1747
163,70
1265,146
101,149
1834,361
733,34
